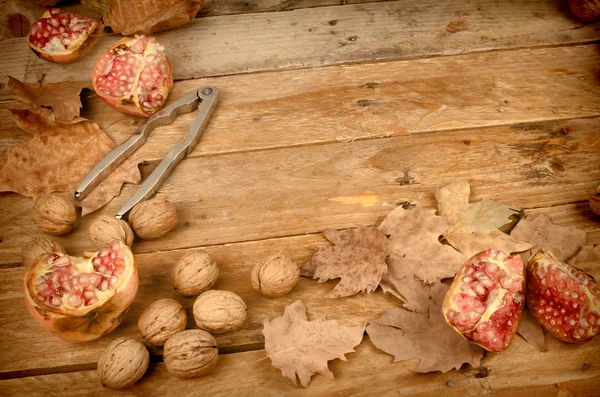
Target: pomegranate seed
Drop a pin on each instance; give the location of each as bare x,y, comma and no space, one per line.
114,280
103,284
103,252
62,261
87,294
92,301
55,301
75,300
95,279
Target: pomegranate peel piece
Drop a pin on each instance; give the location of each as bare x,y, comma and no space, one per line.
486,299
564,299
82,298
63,37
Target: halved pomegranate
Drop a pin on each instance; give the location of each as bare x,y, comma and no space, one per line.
134,76
486,299
564,299
62,37
82,298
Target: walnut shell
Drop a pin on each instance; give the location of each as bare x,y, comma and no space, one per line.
194,273
219,311
54,214
161,320
105,229
38,246
191,353
275,276
123,363
153,218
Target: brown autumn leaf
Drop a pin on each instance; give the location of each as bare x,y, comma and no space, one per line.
531,331
145,16
478,229
588,260
413,292
16,17
63,98
414,247
425,336
562,241
358,258
301,348
453,199
58,157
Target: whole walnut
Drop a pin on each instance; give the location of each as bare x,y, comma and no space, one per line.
123,363
194,273
219,311
54,214
153,218
106,228
275,276
38,246
191,353
161,320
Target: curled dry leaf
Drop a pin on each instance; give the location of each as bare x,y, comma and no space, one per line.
424,336
145,16
301,348
358,258
63,98
588,260
562,241
531,331
414,247
17,16
453,199
59,156
38,246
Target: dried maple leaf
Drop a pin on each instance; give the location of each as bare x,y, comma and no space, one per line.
58,157
409,289
301,348
414,246
63,97
531,331
588,260
477,229
145,16
453,199
16,17
358,258
424,336
562,241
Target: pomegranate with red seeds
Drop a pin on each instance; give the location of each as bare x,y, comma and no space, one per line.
564,299
82,298
486,299
62,37
134,76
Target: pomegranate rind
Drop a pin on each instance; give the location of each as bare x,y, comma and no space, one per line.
85,323
130,103
571,318
78,48
501,307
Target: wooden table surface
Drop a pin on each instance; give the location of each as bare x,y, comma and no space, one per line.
332,114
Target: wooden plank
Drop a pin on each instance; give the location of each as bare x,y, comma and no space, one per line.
225,7
305,189
22,339
331,35
520,371
342,103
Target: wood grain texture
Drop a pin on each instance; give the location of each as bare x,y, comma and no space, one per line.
565,370
299,190
322,36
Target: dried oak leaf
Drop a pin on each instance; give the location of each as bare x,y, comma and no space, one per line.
414,247
424,336
562,241
358,258
145,16
301,348
63,97
453,199
588,260
531,331
478,229
59,156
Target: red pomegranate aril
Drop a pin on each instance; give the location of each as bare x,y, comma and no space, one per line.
565,300
76,304
479,305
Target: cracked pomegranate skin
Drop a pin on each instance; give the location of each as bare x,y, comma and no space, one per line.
486,299
564,299
80,299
